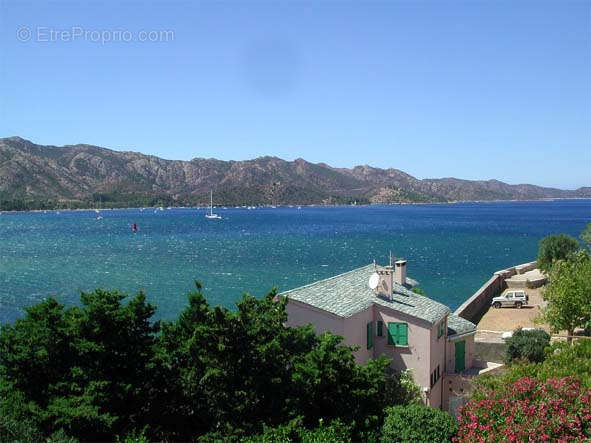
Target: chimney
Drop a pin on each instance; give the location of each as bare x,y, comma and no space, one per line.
400,272
385,285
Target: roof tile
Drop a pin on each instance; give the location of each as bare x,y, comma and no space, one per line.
347,294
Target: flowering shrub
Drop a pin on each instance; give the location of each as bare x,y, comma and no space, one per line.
558,409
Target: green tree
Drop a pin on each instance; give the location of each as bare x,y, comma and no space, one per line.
586,235
555,247
234,372
106,370
568,294
529,345
84,370
411,390
418,423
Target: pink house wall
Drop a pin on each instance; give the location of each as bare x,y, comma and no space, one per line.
300,314
437,358
416,355
422,355
353,329
356,334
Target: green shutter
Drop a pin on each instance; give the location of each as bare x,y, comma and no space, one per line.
403,334
398,334
369,335
380,328
392,332
460,355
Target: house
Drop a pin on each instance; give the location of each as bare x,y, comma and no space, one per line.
374,308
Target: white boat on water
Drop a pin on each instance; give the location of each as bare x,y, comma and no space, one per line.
211,213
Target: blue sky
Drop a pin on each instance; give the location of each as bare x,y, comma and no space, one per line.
471,89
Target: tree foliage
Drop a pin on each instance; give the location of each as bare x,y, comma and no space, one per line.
418,423
554,248
586,235
295,432
528,345
105,370
569,294
84,370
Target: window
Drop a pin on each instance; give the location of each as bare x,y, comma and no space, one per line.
435,376
380,328
370,335
440,329
398,334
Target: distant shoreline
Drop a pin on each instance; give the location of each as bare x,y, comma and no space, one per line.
293,206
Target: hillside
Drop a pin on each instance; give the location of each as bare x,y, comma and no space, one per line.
37,176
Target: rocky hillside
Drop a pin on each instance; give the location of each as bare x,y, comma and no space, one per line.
80,175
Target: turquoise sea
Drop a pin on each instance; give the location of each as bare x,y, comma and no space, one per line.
452,249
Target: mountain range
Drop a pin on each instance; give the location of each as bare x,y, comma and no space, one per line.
36,176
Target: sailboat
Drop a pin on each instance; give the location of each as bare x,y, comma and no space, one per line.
211,214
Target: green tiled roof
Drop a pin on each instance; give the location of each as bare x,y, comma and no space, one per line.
458,325
347,294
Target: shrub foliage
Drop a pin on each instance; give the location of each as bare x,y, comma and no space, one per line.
418,423
528,345
106,370
555,247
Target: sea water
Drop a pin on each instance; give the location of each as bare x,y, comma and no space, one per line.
452,249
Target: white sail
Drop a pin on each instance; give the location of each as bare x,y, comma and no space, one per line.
211,214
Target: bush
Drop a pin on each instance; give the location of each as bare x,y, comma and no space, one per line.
417,423
104,369
16,431
561,360
294,432
529,410
411,390
555,247
564,361
528,345
586,235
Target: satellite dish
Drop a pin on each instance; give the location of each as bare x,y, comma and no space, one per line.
374,280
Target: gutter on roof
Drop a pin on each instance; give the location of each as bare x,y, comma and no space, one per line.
454,337
316,308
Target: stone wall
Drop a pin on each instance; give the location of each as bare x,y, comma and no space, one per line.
490,351
474,308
